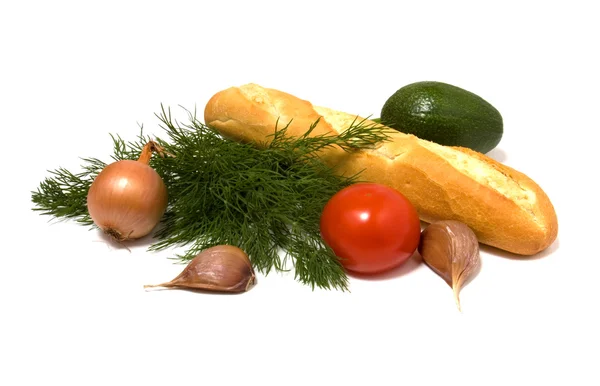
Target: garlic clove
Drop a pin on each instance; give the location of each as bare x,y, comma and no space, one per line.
451,249
223,268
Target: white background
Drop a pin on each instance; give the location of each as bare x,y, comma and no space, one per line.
73,310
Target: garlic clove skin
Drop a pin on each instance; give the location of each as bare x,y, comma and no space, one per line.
223,268
435,248
451,249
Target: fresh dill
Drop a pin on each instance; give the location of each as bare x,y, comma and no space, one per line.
264,200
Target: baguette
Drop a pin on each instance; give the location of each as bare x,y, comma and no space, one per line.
505,208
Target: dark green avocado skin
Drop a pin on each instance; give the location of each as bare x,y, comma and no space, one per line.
445,114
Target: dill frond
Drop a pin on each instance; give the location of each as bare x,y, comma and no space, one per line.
266,201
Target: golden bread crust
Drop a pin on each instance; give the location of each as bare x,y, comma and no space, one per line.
505,208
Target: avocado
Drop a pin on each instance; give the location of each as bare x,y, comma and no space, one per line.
445,114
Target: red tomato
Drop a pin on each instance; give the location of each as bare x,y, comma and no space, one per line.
371,227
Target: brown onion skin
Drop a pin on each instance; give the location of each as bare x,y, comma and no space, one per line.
127,199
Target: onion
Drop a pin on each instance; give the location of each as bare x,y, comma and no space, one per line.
128,198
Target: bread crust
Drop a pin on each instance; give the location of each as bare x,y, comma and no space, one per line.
505,208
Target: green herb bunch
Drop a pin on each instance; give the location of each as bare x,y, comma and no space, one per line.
266,200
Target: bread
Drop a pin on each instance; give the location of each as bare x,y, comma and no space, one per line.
505,208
